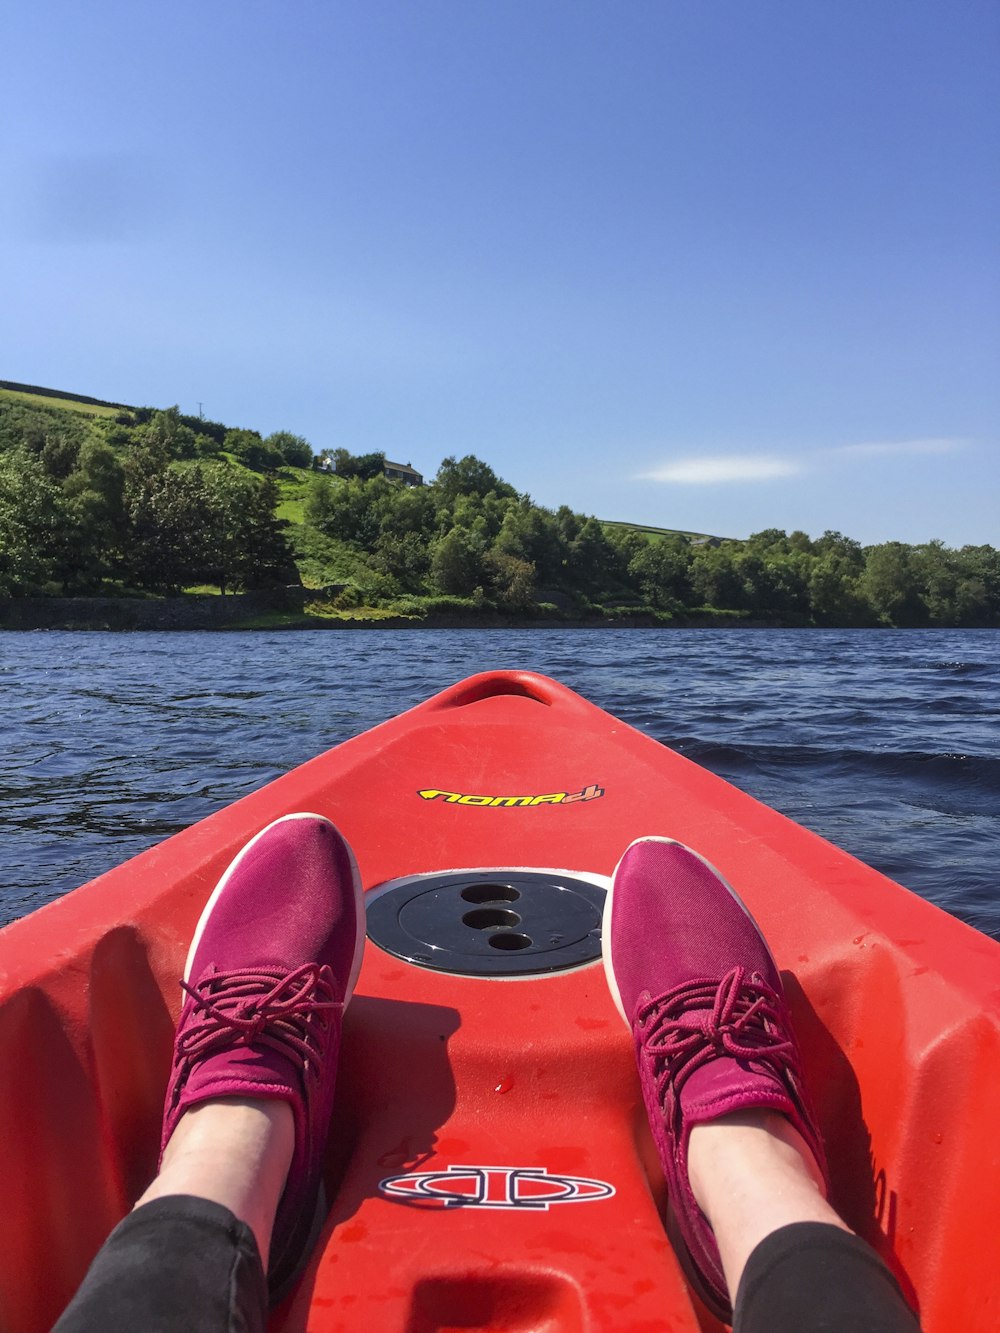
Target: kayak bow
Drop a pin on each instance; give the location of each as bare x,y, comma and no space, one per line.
489,1165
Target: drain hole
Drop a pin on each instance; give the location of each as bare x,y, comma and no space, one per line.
509,941
486,918
490,893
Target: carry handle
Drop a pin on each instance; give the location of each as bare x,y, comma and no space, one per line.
492,684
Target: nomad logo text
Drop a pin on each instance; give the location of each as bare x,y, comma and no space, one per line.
590,793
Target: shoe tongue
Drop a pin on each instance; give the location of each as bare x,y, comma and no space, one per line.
725,1085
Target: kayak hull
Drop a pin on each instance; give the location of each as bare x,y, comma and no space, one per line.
489,1165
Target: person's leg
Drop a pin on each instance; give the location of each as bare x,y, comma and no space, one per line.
273,963
179,1264
721,1079
235,1152
792,1262
812,1277
751,1173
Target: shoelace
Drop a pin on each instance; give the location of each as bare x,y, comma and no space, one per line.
262,1006
740,1016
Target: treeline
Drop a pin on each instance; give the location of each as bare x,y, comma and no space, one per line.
145,501
154,501
471,535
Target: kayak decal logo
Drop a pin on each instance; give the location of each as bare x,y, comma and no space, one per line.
493,1187
589,793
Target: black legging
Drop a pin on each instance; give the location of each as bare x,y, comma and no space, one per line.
811,1277
184,1265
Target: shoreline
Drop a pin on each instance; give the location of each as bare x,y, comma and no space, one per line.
282,609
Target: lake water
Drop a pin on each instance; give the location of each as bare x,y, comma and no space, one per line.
886,742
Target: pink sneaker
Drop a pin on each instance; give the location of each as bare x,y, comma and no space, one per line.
696,984
272,965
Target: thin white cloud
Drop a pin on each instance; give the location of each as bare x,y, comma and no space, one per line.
721,469
901,447
724,469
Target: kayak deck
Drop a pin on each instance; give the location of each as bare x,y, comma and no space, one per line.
489,1165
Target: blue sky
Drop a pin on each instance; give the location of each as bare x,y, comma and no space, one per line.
701,263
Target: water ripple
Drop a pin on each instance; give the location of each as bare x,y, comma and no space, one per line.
885,742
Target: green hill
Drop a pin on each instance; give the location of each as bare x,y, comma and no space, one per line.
656,533
100,498
53,398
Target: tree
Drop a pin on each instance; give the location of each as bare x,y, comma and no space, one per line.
362,466
978,591
591,559
512,580
409,509
457,562
207,446
774,582
244,545
662,570
318,504
959,587
167,429
768,539
715,580
468,476
202,524
404,557
168,518
936,568
59,454
627,543
480,513
294,449
247,447
351,511
569,523
849,551
32,519
95,502
891,584
24,427
531,534
834,598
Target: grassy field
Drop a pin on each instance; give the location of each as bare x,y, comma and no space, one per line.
654,534
60,404
294,483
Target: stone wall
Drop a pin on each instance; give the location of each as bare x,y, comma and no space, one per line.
135,613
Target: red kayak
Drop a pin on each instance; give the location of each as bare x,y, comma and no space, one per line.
489,1165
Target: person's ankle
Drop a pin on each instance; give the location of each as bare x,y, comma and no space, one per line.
751,1174
248,1127
233,1151
752,1142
